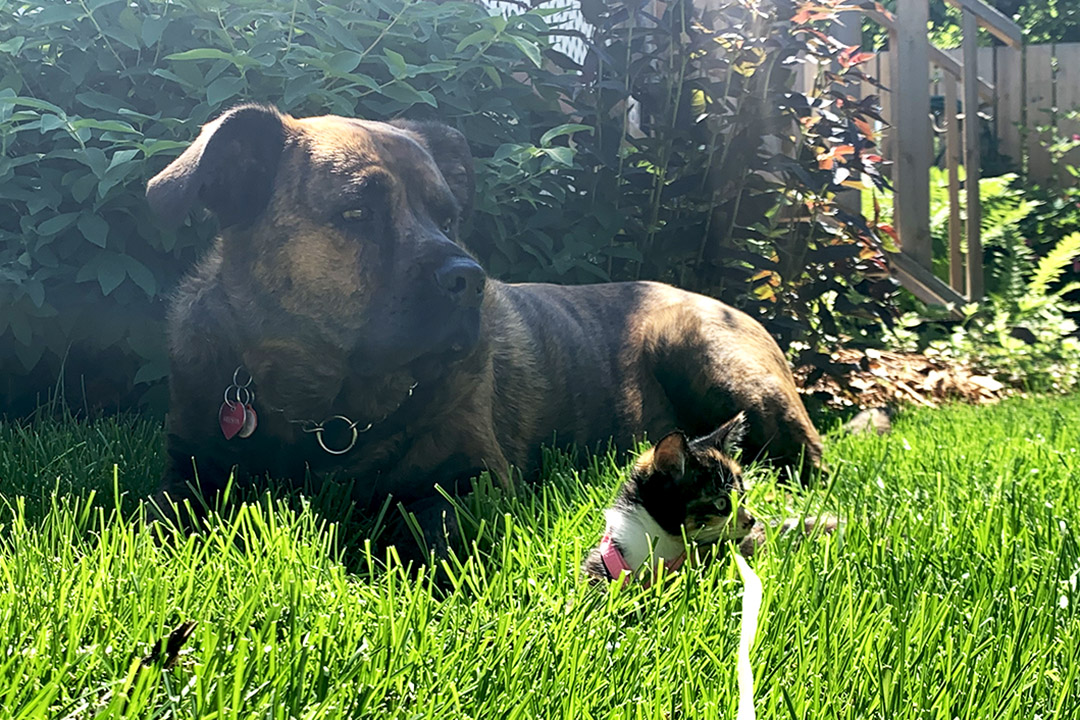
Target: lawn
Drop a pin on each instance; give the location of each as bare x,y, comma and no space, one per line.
950,594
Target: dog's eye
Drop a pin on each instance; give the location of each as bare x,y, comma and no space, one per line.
361,214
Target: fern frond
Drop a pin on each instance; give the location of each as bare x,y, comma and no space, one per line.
1052,264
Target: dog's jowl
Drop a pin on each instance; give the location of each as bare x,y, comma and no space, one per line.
339,324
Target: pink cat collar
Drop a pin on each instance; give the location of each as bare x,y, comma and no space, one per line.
616,563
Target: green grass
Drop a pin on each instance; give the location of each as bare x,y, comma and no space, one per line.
950,594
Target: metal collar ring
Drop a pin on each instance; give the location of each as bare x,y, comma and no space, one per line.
320,429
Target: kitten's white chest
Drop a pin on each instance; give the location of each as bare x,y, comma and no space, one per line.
634,530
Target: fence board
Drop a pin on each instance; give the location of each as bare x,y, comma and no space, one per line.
913,133
1009,68
885,75
974,260
1024,98
953,159
1067,97
1039,80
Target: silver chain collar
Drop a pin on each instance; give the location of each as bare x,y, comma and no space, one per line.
319,428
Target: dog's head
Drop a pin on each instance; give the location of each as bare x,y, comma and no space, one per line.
690,483
339,233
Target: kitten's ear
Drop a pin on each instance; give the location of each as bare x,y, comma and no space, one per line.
728,436
670,455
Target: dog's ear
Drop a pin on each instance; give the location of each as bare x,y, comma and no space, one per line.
230,167
670,455
728,437
452,154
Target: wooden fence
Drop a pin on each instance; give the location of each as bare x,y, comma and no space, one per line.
909,138
1018,88
1019,92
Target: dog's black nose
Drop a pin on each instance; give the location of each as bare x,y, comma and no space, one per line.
462,280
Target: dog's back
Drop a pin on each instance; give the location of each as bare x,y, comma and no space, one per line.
623,360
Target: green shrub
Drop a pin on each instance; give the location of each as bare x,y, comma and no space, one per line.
727,185
97,96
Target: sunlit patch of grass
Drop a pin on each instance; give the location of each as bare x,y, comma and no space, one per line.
950,593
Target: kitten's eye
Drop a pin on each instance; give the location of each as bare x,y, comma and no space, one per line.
360,214
723,505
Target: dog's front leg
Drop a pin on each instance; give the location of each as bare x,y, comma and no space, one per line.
427,528
188,487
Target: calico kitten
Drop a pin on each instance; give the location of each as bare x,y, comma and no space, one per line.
680,483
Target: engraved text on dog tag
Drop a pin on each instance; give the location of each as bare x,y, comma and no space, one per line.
231,417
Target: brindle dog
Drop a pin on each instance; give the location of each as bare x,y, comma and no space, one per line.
376,346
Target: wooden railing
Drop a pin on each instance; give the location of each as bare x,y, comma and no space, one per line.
913,151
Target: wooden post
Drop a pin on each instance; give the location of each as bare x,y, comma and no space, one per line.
952,161
885,77
1039,105
972,172
911,123
1009,81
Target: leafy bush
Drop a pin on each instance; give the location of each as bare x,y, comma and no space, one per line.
726,184
95,97
729,191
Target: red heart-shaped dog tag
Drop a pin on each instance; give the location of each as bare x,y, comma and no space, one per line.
231,418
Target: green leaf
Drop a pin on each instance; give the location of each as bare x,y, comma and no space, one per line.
94,229
1053,264
29,354
83,188
507,150
104,125
121,157
239,60
157,146
12,46
152,28
95,159
20,327
57,223
566,129
35,291
344,62
32,103
561,155
395,62
222,89
51,122
531,49
140,275
88,271
110,273
480,36
408,95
